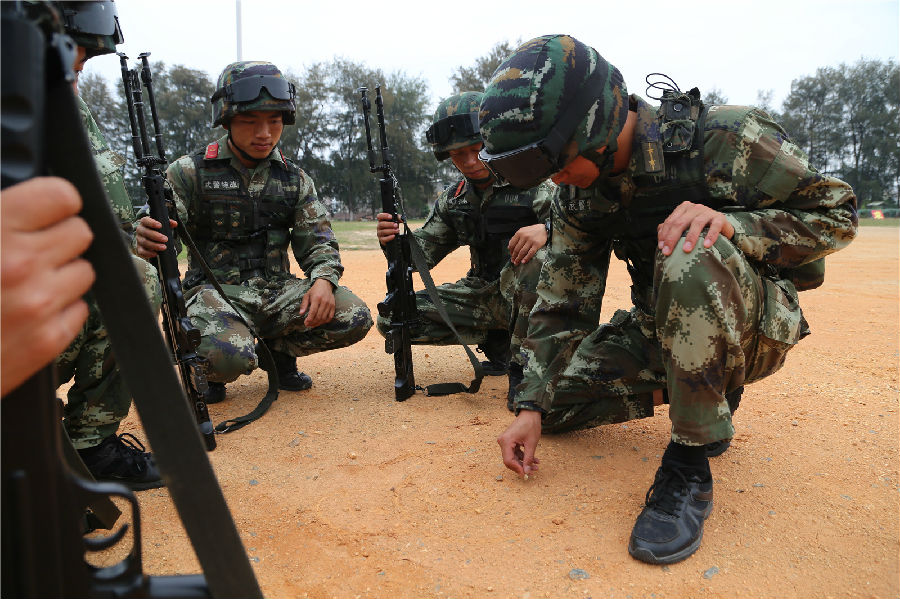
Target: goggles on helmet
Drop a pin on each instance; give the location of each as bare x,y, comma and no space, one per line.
249,88
466,124
93,18
527,166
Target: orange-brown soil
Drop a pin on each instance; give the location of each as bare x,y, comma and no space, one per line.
340,491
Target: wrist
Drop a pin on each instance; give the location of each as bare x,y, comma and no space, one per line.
529,409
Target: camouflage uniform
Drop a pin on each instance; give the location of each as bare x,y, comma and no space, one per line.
495,294
704,322
267,207
98,400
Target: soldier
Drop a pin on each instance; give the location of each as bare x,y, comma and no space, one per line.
99,399
505,229
720,218
243,202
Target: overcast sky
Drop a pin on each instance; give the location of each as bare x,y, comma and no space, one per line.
738,47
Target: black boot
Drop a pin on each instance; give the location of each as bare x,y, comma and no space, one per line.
717,448
516,376
289,378
496,349
122,459
215,392
670,526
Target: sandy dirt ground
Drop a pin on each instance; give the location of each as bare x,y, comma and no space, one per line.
340,491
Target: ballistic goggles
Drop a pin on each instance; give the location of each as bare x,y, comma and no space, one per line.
93,18
527,166
248,89
441,132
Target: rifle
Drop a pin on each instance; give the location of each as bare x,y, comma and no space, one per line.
403,252
43,502
182,336
400,302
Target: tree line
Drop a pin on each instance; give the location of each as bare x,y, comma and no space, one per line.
845,118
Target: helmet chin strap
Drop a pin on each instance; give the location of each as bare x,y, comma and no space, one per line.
482,180
241,151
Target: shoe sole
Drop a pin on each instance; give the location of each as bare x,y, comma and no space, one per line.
300,388
647,556
717,450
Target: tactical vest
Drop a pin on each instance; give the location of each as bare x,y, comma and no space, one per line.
487,233
681,177
240,236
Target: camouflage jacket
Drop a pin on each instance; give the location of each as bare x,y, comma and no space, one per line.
109,166
311,238
459,215
785,214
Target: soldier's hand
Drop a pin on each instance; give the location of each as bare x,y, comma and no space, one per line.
387,228
42,276
526,243
518,442
692,218
149,241
318,303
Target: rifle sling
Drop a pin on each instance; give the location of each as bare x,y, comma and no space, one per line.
146,364
266,361
438,389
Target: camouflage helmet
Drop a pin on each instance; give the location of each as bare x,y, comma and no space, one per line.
251,85
94,25
455,124
548,85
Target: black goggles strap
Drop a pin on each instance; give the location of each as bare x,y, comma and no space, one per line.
564,128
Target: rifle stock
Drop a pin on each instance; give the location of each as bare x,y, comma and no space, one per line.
399,304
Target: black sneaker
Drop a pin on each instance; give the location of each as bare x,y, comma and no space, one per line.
289,378
215,392
670,526
496,349
516,376
122,459
717,448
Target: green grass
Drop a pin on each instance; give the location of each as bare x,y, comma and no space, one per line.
360,235
884,222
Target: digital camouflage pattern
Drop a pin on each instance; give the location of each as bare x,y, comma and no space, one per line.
271,300
274,311
712,321
307,230
109,166
528,91
457,104
98,399
223,110
478,302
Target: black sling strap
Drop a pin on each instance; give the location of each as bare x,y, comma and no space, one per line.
146,364
266,361
444,388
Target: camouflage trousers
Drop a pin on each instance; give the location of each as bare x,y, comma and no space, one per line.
273,309
719,324
98,399
476,306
